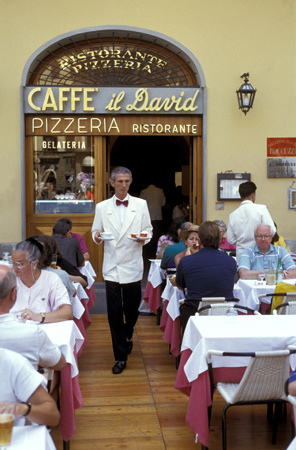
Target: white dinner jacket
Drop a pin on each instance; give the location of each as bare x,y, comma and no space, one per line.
123,260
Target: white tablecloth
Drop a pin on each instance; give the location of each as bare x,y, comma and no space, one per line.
235,334
173,295
65,335
155,275
88,271
31,438
247,292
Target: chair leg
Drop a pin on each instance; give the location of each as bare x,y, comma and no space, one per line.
277,413
158,316
224,426
270,412
66,445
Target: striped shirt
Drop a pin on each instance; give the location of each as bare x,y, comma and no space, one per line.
252,259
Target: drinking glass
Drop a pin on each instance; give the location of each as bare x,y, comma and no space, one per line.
7,415
54,261
261,276
5,256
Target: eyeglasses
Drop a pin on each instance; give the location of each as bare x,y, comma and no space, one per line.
18,264
263,236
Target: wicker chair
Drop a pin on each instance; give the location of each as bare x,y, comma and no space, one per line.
288,307
222,309
288,296
263,382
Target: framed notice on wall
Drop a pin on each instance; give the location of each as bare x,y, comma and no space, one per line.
228,183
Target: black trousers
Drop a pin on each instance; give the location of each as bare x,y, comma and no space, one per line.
123,301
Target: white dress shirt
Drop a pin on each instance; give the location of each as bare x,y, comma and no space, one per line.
29,340
19,380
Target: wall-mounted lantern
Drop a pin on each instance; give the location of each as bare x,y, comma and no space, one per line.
246,94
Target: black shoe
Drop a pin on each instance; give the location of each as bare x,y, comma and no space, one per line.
129,347
119,367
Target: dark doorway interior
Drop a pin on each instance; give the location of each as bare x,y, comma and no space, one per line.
155,160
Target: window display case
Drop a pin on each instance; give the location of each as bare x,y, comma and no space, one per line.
63,174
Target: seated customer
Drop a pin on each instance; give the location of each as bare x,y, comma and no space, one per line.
168,259
224,244
42,297
292,384
51,248
263,255
78,237
170,238
75,274
20,383
191,240
30,341
69,247
279,240
209,272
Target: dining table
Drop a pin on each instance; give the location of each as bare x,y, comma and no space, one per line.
241,333
248,291
69,339
88,271
152,293
170,317
31,437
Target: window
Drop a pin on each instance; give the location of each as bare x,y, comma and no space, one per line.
64,174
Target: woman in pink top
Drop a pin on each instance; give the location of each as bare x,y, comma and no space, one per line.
224,244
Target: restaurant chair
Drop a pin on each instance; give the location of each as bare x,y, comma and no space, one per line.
289,307
222,309
278,298
262,383
188,308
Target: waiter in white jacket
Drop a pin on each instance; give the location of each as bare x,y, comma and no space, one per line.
121,216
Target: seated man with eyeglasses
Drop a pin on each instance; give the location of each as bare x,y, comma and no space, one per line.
263,255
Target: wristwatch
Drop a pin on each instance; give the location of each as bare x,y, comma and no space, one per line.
43,317
29,405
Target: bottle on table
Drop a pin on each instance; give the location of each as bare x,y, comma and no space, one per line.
270,276
279,271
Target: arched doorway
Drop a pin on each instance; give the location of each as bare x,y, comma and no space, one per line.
90,95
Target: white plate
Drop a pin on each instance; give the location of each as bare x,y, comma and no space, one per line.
107,238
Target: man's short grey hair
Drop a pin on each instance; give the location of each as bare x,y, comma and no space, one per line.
263,225
221,224
186,226
7,283
122,171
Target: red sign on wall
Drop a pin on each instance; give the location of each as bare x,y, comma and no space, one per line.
281,147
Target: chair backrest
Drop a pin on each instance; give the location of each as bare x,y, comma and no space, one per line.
289,307
190,307
215,309
265,377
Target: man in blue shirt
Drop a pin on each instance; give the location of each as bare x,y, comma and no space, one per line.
209,272
263,255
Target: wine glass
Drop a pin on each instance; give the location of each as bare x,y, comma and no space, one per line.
261,276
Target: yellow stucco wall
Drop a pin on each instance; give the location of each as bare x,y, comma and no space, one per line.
228,38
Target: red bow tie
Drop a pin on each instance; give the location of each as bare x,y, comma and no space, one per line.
119,202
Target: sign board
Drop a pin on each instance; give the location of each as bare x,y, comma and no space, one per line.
281,147
281,167
228,184
114,100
